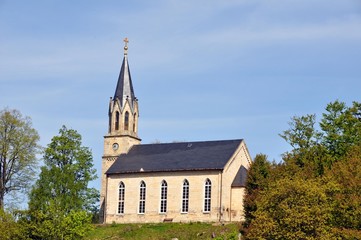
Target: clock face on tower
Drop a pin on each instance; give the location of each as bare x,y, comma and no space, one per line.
115,146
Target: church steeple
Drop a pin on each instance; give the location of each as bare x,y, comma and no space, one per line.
123,123
124,91
123,107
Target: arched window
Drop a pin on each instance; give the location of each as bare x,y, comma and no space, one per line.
121,198
163,197
126,121
134,120
185,196
116,120
207,195
142,197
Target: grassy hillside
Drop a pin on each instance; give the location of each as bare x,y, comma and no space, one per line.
167,231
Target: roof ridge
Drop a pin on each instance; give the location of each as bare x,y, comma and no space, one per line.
187,142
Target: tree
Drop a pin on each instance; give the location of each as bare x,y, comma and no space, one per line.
315,193
342,127
302,133
256,181
293,208
307,152
18,149
347,201
62,191
318,150
9,228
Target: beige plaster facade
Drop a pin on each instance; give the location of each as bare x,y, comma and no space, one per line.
226,201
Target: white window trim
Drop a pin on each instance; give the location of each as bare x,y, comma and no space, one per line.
204,197
145,197
166,199
118,201
182,191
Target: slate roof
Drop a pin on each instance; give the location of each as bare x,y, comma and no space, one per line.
124,89
240,178
183,156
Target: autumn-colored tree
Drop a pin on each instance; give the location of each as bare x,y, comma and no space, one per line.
347,201
293,208
315,193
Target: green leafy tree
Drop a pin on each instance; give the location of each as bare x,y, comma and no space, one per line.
257,177
18,149
318,150
62,191
307,152
302,133
342,127
11,229
73,225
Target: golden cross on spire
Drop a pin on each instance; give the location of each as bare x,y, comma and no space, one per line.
126,46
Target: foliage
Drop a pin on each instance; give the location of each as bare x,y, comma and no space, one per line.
346,234
256,181
9,228
347,201
18,149
42,225
293,209
308,151
316,192
342,127
302,133
340,131
61,195
64,179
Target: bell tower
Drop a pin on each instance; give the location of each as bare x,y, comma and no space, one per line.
123,116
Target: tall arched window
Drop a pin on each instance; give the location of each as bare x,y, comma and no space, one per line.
134,120
126,121
116,120
207,195
163,197
121,198
185,196
142,197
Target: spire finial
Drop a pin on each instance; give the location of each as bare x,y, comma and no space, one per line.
126,46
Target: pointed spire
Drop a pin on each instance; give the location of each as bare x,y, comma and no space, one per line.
124,90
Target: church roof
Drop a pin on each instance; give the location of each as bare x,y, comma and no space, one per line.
240,178
183,156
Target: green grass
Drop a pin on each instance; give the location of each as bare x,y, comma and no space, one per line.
164,231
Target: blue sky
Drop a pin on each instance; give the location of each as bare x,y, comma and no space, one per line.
202,70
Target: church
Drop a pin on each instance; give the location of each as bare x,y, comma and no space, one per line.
200,181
